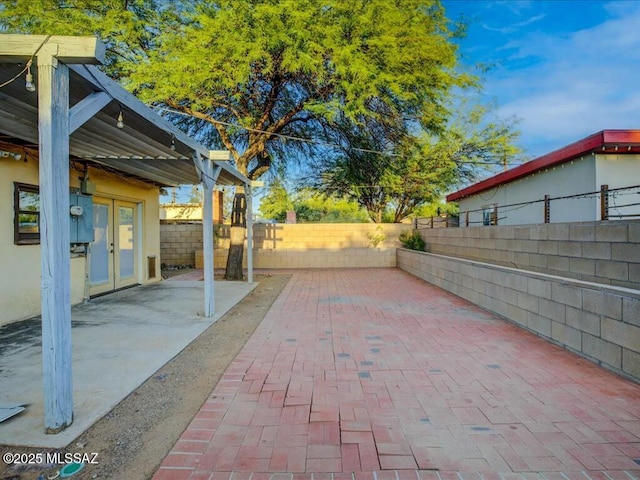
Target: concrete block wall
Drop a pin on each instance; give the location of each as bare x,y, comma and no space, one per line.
179,242
600,252
316,258
311,245
599,322
310,236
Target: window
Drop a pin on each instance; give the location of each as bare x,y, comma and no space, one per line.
486,216
26,207
490,214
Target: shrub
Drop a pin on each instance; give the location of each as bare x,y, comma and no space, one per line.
412,241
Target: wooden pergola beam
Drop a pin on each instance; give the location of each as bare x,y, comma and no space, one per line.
68,50
52,54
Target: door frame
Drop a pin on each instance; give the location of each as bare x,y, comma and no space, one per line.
114,282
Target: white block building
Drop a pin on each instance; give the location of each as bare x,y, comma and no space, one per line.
577,171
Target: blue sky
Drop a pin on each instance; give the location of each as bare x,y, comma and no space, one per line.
565,68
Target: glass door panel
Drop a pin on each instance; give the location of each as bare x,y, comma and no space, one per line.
101,261
126,243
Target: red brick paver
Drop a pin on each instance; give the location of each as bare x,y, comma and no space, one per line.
374,374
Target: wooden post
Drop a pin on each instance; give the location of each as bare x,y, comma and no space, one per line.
547,209
494,215
249,233
209,177
53,127
466,218
604,202
432,221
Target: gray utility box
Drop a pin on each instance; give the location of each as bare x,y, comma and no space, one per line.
81,222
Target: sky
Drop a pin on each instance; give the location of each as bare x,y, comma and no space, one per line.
564,68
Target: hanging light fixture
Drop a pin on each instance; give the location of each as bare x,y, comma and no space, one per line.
28,84
120,123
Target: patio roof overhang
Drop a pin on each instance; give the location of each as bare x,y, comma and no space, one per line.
74,114
147,147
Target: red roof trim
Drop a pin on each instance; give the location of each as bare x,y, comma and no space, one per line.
597,141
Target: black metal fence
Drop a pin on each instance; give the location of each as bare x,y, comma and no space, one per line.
615,204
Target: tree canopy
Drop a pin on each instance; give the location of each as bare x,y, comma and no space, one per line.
245,72
392,174
273,80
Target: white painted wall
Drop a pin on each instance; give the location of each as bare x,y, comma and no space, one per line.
571,178
620,171
20,264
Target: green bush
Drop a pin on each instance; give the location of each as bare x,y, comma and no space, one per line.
412,241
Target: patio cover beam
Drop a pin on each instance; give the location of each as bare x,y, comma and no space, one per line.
249,195
17,48
82,112
209,175
53,138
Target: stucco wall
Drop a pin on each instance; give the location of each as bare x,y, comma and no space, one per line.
599,322
20,264
601,252
572,178
620,171
582,175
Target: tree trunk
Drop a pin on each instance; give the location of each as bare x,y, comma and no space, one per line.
237,234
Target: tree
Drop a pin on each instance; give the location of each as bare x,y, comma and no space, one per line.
247,72
276,203
391,173
196,195
309,205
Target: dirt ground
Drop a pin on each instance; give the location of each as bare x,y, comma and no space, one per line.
133,439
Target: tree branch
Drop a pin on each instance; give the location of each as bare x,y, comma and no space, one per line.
224,135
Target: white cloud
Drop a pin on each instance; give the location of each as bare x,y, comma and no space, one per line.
518,7
514,27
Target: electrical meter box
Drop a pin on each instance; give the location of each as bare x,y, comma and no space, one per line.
81,218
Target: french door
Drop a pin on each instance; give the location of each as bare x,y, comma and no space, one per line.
114,252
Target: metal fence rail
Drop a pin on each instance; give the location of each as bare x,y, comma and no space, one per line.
615,203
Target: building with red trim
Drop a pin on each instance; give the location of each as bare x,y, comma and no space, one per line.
570,178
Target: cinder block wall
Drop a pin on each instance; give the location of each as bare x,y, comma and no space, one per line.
601,252
310,236
599,322
311,245
316,258
179,241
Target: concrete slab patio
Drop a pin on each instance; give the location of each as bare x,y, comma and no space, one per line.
119,341
375,374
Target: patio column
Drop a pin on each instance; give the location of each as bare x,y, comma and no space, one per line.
209,177
53,127
249,197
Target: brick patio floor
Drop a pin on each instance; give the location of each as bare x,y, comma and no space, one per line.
374,374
